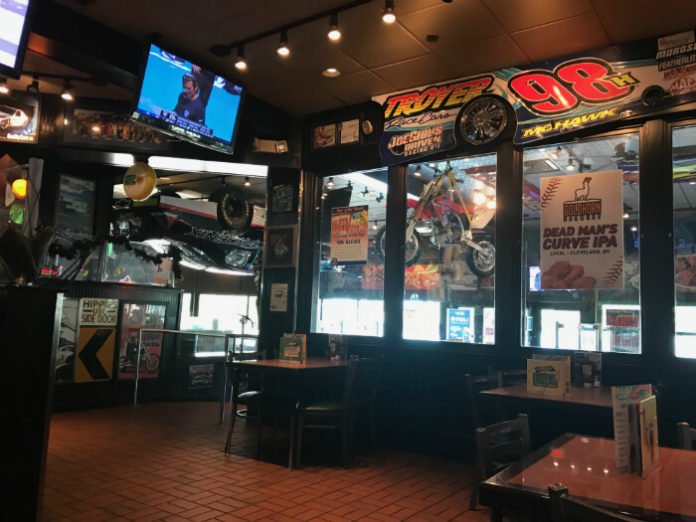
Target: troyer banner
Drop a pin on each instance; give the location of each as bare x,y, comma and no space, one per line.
582,243
543,100
349,234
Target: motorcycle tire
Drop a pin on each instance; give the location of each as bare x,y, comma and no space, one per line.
233,210
413,252
479,266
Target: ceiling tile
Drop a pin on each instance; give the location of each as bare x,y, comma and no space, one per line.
485,55
372,43
571,35
627,21
356,88
302,98
516,15
313,59
455,23
415,72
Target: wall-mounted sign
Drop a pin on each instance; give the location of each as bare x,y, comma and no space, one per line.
544,99
19,118
324,136
349,234
200,377
582,243
279,297
349,131
98,312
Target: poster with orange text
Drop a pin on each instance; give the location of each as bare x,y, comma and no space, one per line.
349,235
582,243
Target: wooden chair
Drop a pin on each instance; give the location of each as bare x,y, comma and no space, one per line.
249,398
498,446
511,376
567,509
335,415
686,436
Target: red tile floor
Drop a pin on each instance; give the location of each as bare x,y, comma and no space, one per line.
165,462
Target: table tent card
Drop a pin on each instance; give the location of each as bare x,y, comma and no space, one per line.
635,428
549,375
293,347
587,369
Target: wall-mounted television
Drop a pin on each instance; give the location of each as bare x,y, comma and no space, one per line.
14,33
188,101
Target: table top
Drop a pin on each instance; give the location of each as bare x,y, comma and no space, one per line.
309,364
598,397
587,467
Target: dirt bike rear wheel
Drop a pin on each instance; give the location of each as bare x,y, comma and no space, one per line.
152,362
482,263
413,246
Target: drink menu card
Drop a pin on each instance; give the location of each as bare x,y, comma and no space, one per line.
635,428
293,347
549,375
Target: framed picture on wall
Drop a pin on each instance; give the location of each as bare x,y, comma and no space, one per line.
280,248
75,208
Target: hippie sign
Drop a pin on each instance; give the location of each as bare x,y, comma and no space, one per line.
349,234
540,100
582,231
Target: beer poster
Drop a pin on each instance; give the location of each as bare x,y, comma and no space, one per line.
349,234
582,244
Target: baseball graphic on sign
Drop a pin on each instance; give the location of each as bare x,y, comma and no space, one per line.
582,231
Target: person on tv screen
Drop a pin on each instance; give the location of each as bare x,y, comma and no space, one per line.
189,105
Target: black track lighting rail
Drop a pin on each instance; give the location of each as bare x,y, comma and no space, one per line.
223,50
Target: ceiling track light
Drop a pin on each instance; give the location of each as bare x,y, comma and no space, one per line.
240,64
33,87
334,33
247,182
418,172
330,183
283,49
388,17
4,89
66,93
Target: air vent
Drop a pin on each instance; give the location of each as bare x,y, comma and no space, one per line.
432,38
540,165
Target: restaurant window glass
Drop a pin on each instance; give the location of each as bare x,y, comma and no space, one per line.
684,198
581,244
350,286
449,286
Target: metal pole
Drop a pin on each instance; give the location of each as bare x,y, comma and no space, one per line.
137,368
223,401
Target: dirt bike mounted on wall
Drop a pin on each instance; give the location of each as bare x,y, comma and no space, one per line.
445,219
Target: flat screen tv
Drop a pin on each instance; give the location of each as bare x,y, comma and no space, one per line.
14,33
188,101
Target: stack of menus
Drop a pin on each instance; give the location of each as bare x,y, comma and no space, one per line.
635,429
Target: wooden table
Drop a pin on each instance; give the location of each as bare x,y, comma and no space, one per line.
586,466
593,397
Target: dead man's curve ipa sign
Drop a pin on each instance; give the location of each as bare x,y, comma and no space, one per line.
582,243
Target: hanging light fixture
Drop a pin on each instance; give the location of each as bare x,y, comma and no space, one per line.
330,183
247,183
418,172
388,17
365,192
334,33
66,93
350,185
4,89
283,49
240,64
379,198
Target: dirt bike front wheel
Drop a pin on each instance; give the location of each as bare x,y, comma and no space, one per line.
482,262
152,362
413,246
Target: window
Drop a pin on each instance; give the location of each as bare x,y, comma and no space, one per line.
449,287
684,198
581,209
350,288
236,314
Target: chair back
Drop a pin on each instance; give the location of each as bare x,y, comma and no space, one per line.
474,385
511,376
567,509
686,436
501,444
362,380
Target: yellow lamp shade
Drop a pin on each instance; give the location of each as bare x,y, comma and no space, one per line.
19,188
139,181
